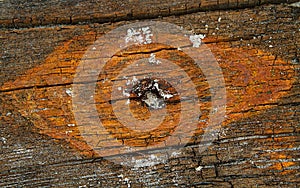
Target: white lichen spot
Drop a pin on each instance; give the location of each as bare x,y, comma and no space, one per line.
271,46
153,60
119,88
127,101
139,36
199,168
94,48
8,113
179,49
196,40
219,19
67,132
69,92
71,125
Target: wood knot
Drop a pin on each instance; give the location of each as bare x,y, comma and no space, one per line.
153,93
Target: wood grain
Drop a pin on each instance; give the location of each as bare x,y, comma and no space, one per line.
259,141
54,12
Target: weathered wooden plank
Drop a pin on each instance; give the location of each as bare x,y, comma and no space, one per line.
36,13
256,148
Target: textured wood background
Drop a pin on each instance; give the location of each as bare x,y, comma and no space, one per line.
42,42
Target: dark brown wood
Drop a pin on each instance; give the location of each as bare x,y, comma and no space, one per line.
53,12
259,141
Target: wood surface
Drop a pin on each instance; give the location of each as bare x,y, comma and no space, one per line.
256,43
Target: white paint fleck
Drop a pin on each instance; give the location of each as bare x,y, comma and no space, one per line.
22,151
199,168
179,49
94,48
153,60
134,80
127,102
3,140
153,101
128,82
67,132
128,182
140,36
8,113
206,27
175,154
69,92
271,46
214,110
219,19
148,34
119,88
197,40
71,125
164,95
264,166
39,109
150,161
125,93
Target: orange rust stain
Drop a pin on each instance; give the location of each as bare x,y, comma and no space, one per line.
255,81
282,165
